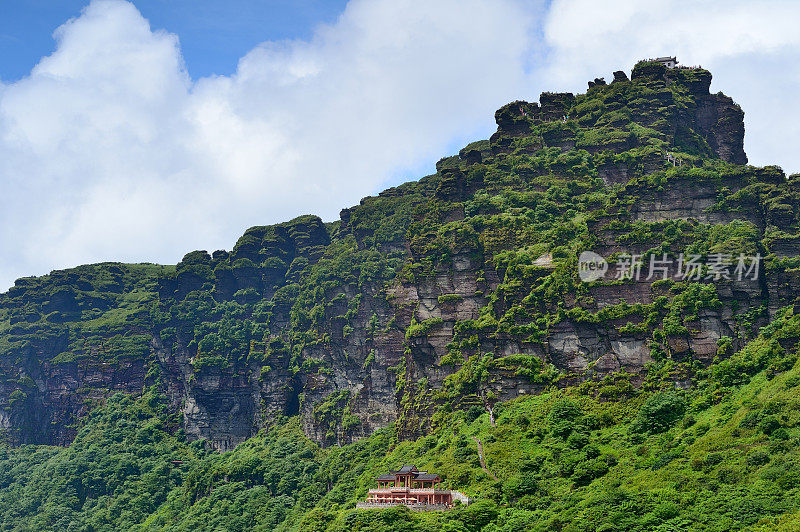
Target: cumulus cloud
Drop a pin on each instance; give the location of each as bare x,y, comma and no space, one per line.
109,151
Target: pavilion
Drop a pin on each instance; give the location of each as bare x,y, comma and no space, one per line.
411,487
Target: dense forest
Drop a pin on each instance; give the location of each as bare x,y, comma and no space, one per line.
264,387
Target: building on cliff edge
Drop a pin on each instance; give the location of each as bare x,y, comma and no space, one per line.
669,62
408,486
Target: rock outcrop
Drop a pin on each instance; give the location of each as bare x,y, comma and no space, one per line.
455,291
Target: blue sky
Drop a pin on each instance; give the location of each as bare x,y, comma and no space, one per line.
138,131
213,34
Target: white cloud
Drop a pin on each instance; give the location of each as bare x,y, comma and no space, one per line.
109,151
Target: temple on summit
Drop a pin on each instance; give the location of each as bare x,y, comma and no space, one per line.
667,61
413,488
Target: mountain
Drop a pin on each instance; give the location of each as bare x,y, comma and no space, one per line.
440,310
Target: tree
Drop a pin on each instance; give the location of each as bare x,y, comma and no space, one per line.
659,413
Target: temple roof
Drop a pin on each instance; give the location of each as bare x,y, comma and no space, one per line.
409,470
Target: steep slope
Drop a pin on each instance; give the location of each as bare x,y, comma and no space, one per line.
459,290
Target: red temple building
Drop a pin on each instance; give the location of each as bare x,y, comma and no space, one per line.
413,488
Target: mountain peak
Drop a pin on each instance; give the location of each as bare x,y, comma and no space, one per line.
661,107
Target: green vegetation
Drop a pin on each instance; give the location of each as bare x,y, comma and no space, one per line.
720,456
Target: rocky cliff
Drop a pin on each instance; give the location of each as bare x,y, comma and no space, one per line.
458,290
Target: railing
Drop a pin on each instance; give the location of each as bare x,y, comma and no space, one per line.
408,490
417,507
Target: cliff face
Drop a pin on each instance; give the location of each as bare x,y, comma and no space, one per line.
458,290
